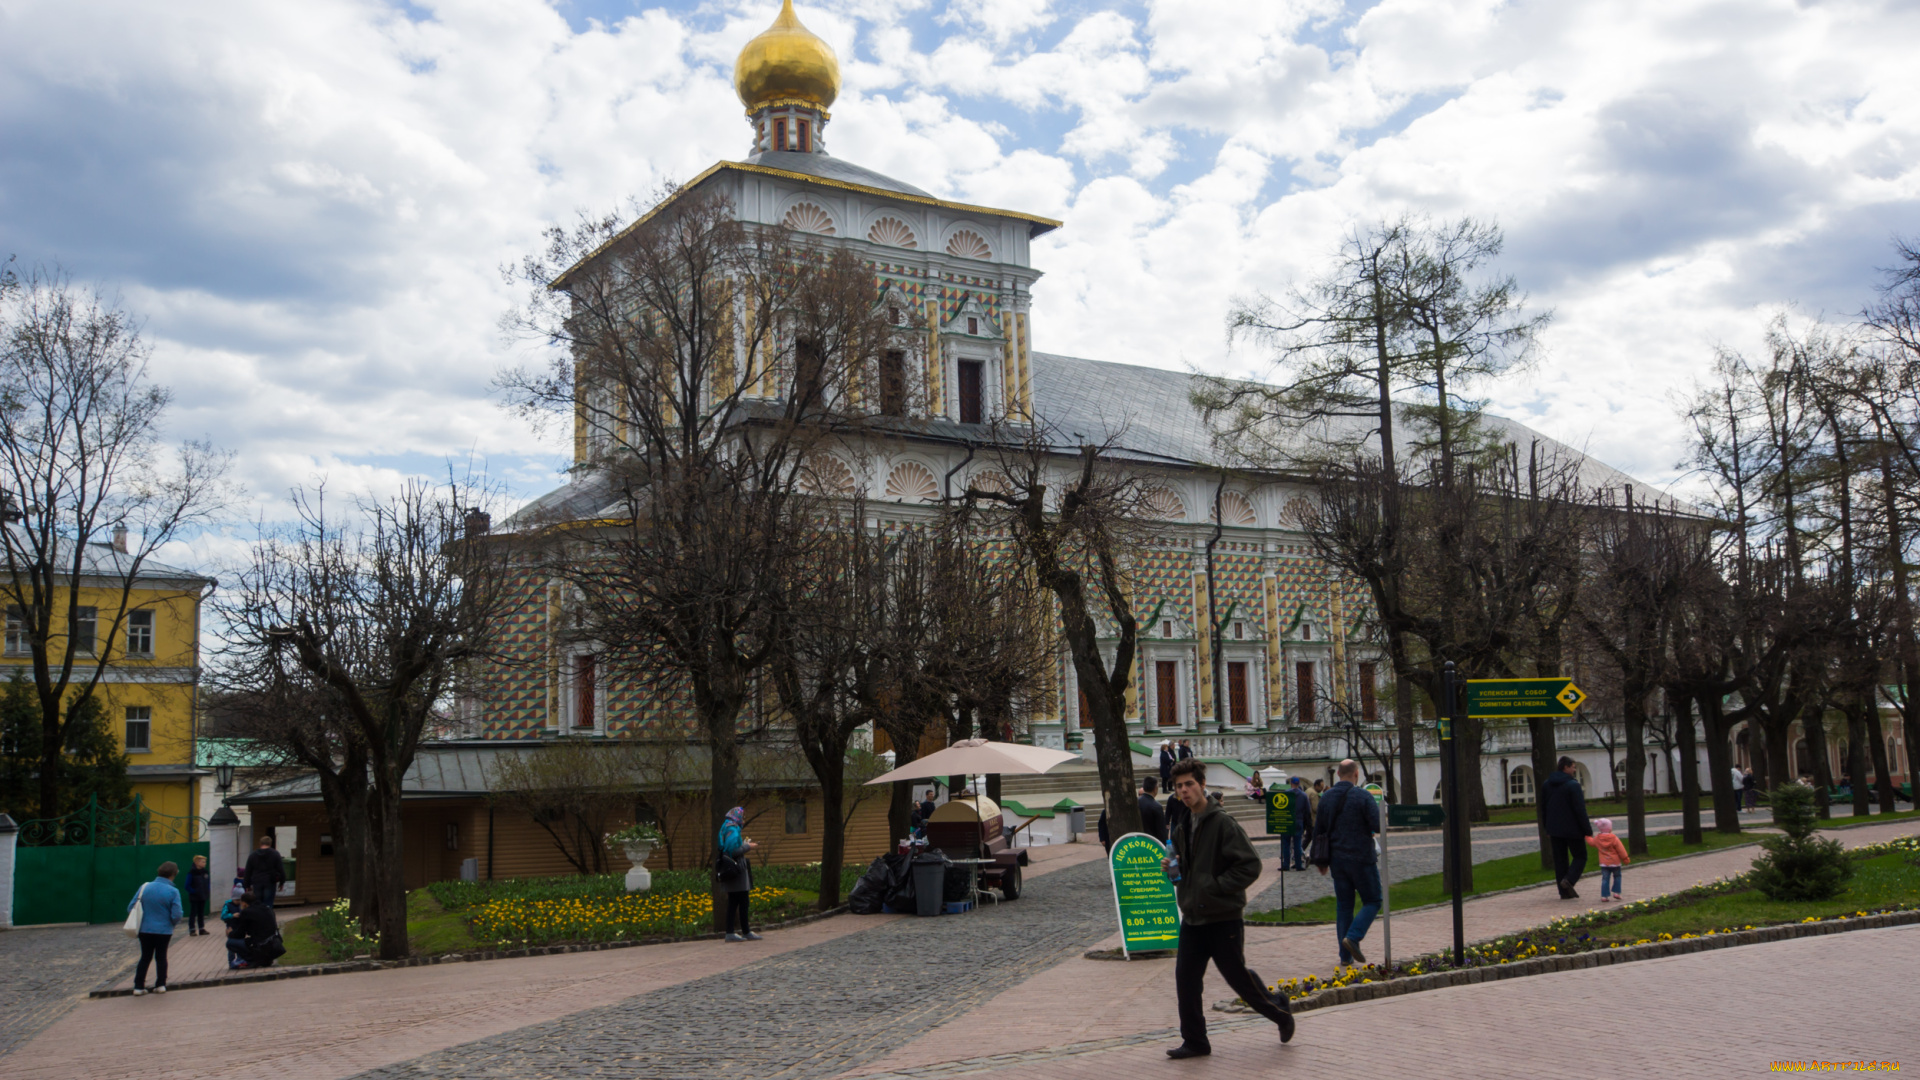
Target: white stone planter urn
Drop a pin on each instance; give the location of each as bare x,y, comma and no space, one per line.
638,878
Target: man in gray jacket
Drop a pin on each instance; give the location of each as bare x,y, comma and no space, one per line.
1211,865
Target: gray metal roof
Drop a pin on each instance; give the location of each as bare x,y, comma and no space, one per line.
1152,416
1148,413
102,559
828,167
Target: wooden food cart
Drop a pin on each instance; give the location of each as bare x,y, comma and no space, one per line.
970,827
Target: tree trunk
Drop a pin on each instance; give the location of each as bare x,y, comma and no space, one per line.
1109,730
1857,761
1681,705
833,831
1726,797
1545,753
1403,716
1473,787
1877,752
386,862
1635,781
721,714
1814,723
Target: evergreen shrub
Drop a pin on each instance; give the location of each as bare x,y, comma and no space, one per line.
1799,865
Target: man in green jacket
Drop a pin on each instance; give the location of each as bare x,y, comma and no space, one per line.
1211,865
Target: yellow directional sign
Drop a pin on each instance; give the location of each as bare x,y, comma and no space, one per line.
1497,698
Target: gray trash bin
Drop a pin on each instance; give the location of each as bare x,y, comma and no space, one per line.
929,885
1077,820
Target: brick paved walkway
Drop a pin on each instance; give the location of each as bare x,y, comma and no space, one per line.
853,996
1725,1013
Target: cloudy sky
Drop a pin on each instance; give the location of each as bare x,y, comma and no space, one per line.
310,202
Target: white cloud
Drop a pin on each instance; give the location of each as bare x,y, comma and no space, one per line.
310,203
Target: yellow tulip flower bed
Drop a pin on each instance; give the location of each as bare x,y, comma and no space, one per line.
513,922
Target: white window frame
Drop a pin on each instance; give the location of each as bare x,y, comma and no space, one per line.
569,701
18,641
92,644
1249,653
1182,689
140,621
145,719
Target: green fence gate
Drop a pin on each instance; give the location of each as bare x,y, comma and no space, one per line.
86,866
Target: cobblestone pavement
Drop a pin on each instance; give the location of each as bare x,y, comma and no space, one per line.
1725,1013
814,1012
46,971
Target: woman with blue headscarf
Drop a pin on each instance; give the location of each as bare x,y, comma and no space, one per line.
735,876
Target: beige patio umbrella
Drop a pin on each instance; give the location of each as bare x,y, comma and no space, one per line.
971,756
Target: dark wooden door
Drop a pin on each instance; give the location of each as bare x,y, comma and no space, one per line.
1167,692
1303,687
1237,692
971,378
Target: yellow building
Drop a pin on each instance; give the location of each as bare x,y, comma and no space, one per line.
152,657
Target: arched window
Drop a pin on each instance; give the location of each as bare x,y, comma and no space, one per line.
1520,784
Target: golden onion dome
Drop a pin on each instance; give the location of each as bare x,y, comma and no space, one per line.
786,64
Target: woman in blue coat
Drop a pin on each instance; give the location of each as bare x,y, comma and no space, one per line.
735,876
160,912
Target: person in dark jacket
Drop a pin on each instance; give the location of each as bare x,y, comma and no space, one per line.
1167,760
1186,750
1211,865
199,890
265,871
737,881
249,931
1293,854
1349,818
1153,820
1563,813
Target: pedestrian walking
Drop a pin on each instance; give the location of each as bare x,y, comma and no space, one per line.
1167,760
1750,790
1211,865
199,891
1563,811
265,871
160,912
1153,820
736,876
253,933
1293,845
1613,856
1350,819
1739,797
1319,789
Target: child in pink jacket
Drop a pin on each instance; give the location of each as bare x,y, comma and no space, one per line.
1613,855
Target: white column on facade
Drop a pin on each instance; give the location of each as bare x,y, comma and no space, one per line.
223,850
9,835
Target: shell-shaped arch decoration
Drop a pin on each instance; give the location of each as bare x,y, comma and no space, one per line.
991,481
1163,503
1236,509
808,218
912,480
968,244
1299,514
824,474
892,232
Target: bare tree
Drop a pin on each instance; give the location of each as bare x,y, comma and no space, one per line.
1076,524
378,609
706,365
575,791
86,497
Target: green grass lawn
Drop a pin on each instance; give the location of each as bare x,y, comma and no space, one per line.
1884,881
1659,804
1507,873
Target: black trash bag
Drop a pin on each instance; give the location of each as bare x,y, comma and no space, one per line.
899,893
871,890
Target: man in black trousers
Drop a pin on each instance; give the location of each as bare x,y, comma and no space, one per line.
1563,811
1211,865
